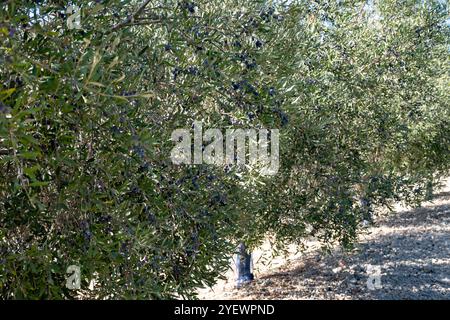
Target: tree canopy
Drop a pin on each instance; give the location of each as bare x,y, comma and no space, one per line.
358,90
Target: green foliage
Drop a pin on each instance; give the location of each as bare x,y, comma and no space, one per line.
359,92
369,108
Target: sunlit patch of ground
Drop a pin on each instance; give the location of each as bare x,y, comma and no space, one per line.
408,256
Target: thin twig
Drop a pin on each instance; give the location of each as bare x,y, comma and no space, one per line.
131,18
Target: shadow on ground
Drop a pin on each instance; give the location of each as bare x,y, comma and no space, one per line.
411,250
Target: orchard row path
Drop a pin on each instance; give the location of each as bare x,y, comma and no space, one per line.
406,255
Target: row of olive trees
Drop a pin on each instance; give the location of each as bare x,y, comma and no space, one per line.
357,91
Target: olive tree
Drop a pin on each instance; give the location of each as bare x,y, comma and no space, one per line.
87,110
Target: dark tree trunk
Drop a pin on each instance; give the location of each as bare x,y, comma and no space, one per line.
243,266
